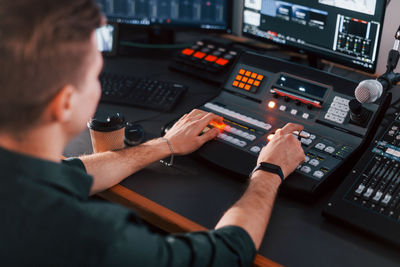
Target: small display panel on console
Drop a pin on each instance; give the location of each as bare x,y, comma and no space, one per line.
302,87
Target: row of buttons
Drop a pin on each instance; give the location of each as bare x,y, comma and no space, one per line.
238,116
240,133
294,112
338,110
232,140
323,147
318,174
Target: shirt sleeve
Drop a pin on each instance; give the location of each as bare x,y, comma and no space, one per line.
75,163
227,246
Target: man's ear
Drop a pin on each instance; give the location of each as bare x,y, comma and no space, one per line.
61,106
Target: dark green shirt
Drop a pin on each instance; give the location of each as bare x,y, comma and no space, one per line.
47,219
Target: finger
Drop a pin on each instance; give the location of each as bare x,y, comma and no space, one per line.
211,134
291,127
210,117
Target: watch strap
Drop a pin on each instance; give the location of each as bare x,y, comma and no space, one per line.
269,167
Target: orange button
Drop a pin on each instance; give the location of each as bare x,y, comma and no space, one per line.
257,83
187,51
241,85
242,71
245,79
222,62
199,55
247,87
251,81
235,83
211,58
260,77
248,73
254,75
239,77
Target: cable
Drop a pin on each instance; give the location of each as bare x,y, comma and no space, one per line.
153,46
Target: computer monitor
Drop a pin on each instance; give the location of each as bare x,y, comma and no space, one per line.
209,15
343,31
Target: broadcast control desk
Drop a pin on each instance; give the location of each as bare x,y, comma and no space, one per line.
193,194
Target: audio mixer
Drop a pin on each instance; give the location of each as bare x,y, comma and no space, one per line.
369,198
263,94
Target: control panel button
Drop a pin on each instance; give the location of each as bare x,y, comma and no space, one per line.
318,174
307,159
329,149
255,149
320,146
314,162
305,116
282,108
305,169
293,112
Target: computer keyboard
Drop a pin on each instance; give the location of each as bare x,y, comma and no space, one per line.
140,92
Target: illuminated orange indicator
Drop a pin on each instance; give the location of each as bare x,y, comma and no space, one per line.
260,77
242,71
241,85
247,87
251,81
217,125
239,77
199,55
222,62
269,138
235,83
257,83
248,73
187,51
211,58
271,104
245,79
254,75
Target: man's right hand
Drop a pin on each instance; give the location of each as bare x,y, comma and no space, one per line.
284,149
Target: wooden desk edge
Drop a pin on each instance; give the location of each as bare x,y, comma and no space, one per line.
162,217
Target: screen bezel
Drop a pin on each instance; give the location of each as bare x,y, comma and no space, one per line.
179,27
310,52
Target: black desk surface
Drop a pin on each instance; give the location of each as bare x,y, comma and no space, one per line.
297,234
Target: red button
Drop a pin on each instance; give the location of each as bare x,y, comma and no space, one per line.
211,58
187,51
199,55
222,62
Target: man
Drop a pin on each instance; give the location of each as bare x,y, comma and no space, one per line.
50,89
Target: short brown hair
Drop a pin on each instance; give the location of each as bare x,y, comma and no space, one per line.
44,46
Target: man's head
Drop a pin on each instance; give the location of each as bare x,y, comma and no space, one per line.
47,49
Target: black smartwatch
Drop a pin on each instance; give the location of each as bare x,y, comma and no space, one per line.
268,167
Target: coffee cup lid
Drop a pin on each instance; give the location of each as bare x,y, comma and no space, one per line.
106,122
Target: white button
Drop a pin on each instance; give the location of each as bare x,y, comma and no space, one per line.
305,134
282,108
314,162
222,136
329,150
307,159
305,169
252,137
229,138
306,116
235,141
255,149
306,141
318,174
245,135
293,111
342,114
320,146
239,132
233,130
312,137
339,120
242,143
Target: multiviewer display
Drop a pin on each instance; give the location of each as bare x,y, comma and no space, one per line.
346,31
211,15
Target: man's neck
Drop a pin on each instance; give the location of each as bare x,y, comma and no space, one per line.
45,143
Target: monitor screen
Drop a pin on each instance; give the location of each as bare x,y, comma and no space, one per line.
201,14
344,31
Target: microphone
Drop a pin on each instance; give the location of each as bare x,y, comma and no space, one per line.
369,91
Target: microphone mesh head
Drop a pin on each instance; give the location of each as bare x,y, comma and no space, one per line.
368,91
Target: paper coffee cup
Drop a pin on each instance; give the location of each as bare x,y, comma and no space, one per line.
107,132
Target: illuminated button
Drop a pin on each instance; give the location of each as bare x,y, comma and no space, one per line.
251,81
305,116
211,58
222,62
305,169
260,77
304,134
293,112
245,79
256,83
318,174
241,85
242,71
255,149
254,75
239,77
247,87
271,104
248,73
187,51
282,108
270,137
235,83
199,55
314,162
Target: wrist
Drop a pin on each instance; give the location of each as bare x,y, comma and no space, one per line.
273,178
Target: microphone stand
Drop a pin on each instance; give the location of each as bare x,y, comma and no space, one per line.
390,78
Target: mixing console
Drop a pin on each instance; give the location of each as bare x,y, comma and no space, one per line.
262,94
370,196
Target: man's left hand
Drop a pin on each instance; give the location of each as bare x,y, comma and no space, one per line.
185,135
